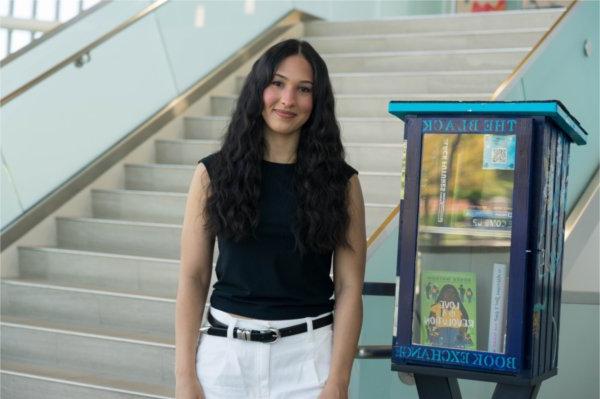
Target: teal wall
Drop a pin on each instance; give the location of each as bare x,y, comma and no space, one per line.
560,70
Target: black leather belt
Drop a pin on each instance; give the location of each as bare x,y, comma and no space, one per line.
269,335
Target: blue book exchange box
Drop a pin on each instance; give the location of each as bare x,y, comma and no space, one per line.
481,243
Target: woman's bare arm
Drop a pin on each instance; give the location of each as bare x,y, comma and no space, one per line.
348,274
194,276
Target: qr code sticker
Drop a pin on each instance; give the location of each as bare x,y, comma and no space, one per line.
499,155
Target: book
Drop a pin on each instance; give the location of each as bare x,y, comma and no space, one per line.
498,309
448,309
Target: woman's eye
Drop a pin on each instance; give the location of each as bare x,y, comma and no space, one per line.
305,89
277,83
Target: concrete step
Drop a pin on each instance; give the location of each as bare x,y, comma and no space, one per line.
159,177
159,207
438,60
125,205
156,240
99,311
354,130
139,238
402,83
506,20
116,272
362,156
451,40
114,357
24,381
424,82
378,187
361,105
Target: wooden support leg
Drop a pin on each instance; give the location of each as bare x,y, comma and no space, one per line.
506,391
433,387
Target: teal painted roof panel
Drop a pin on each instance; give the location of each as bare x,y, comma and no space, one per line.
553,109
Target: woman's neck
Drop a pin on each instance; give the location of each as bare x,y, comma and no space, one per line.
281,148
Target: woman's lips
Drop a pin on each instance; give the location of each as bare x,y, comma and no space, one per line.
284,114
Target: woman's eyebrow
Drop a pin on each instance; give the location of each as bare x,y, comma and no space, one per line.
285,78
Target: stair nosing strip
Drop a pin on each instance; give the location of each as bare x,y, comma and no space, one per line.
343,119
466,72
426,52
95,291
86,335
420,18
81,384
379,205
384,95
139,192
365,172
117,221
99,254
429,34
409,94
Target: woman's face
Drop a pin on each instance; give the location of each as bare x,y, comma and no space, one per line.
288,99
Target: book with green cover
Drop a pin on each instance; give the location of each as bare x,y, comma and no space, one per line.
448,309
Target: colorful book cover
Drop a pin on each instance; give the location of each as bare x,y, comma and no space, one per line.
448,309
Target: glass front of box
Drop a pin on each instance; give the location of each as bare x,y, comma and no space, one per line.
463,241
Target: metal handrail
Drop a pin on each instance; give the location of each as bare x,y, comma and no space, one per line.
374,352
81,54
52,32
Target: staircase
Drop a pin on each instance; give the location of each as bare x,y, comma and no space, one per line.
94,316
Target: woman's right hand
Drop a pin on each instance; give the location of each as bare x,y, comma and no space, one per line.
188,388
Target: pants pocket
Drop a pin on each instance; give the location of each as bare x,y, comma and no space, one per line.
323,345
218,368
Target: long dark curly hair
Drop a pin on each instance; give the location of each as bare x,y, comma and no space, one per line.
320,180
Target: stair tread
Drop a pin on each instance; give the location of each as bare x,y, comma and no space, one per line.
210,141
428,34
116,221
374,54
83,287
96,253
179,166
101,332
456,16
432,96
82,378
176,194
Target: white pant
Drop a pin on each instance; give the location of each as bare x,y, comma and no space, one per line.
294,367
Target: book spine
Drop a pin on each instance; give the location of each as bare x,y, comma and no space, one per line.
497,309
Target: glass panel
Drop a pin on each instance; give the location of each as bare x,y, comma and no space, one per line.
463,243
3,43
23,9
68,9
4,7
89,3
18,39
46,10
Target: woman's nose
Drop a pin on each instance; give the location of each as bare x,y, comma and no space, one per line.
288,97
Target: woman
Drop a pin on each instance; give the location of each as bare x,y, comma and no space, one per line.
281,201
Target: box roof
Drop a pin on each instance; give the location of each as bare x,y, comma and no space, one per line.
553,109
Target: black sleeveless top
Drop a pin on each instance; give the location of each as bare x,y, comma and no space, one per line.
265,277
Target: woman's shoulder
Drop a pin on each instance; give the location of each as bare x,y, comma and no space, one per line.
348,170
209,161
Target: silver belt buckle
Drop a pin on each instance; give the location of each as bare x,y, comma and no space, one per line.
276,333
